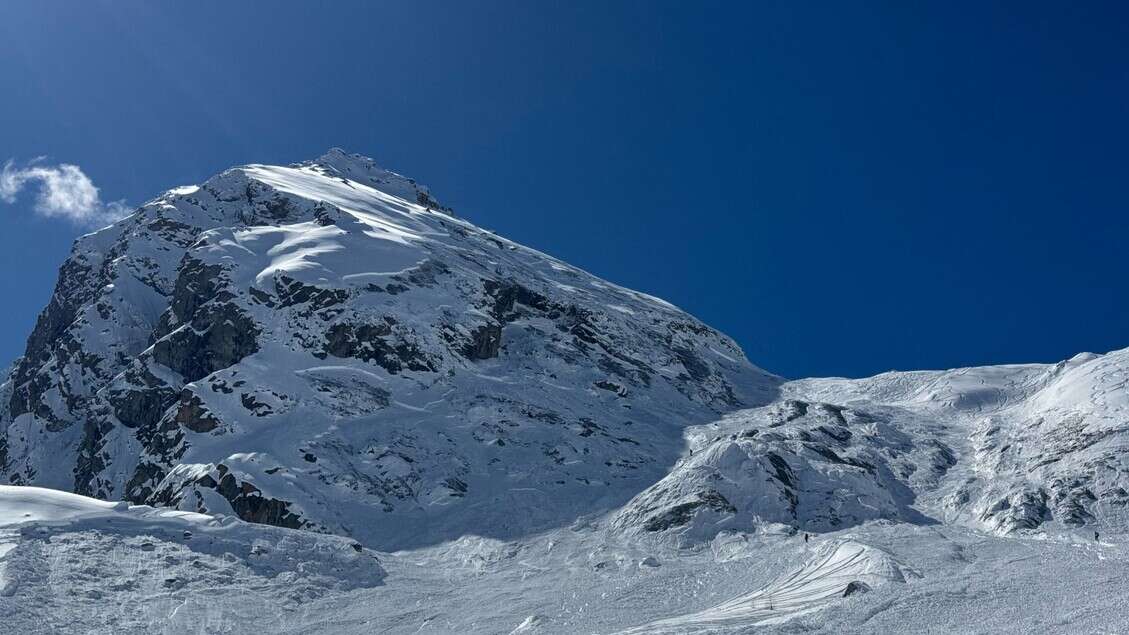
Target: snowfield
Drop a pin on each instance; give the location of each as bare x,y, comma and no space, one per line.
125,573
332,406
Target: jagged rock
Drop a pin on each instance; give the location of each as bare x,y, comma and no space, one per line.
291,292
244,498
77,284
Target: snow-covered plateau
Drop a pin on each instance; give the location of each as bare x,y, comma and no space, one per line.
329,404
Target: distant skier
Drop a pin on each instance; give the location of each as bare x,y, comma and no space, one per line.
1096,536
806,537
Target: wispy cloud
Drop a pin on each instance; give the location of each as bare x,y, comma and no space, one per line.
62,191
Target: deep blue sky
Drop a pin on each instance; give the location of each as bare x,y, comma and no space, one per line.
843,187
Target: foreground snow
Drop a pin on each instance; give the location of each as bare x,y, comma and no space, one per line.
75,565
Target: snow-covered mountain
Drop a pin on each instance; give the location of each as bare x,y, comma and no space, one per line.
325,348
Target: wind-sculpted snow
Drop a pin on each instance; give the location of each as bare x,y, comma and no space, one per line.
325,346
835,571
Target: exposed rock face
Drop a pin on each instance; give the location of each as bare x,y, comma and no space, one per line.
326,346
193,415
215,338
484,343
241,496
50,348
139,398
377,343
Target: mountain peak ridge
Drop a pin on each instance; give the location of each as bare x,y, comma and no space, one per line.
363,169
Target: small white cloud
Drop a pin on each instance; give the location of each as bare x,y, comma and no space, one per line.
63,191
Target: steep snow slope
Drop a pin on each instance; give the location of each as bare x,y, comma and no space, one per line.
324,346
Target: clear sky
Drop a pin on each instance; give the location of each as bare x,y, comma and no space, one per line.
843,187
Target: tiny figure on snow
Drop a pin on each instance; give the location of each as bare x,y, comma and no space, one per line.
806,537
1096,536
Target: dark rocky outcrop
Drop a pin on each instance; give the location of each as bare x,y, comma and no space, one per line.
611,386
485,342
203,330
291,292
143,399
374,342
90,461
246,500
218,336
193,415
76,285
197,283
681,514
1024,510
